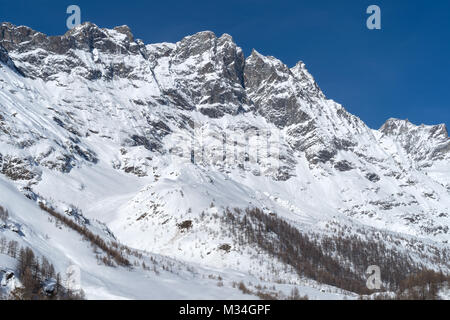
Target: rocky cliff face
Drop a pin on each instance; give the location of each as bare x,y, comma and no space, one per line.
202,72
76,52
422,143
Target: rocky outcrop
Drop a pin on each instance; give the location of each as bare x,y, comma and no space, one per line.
7,61
42,56
204,72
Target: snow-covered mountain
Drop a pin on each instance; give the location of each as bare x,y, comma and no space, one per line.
152,143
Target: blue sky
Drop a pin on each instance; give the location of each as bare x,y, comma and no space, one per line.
400,71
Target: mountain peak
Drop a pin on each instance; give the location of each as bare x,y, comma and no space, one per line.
126,31
11,35
393,123
85,25
256,54
394,126
226,37
307,80
423,142
201,35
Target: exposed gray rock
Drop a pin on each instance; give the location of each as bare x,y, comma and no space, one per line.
373,177
343,166
421,143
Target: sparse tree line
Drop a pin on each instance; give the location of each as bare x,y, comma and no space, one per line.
424,285
9,248
265,294
34,274
112,250
332,260
116,253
